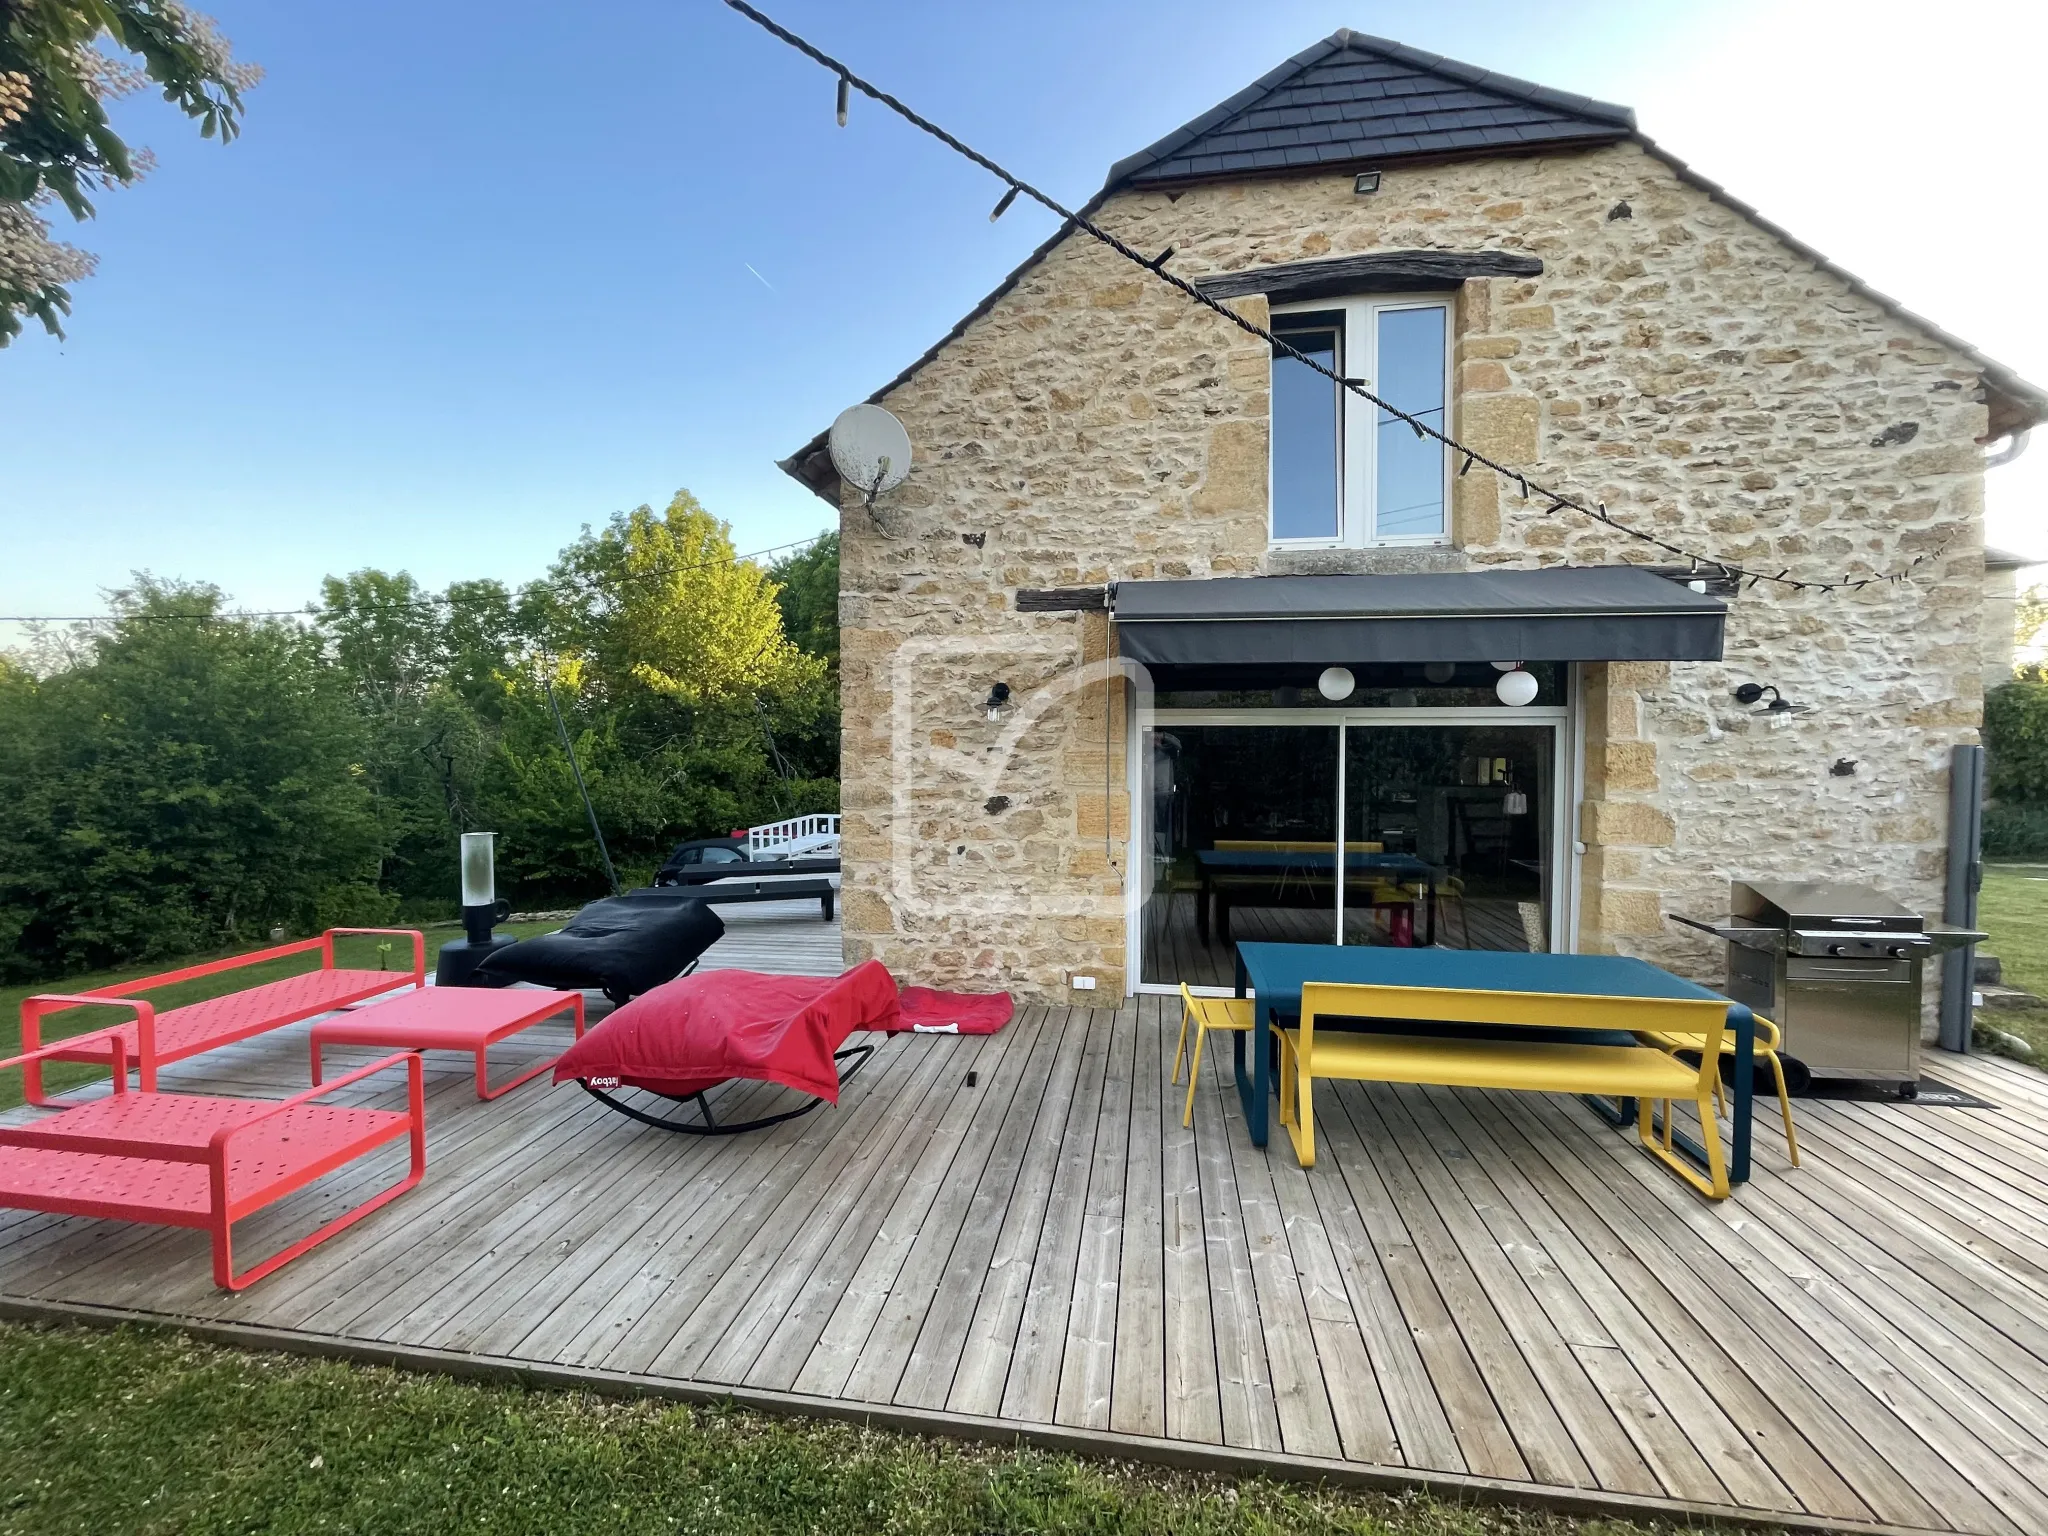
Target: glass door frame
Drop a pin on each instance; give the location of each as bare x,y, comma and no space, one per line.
1567,735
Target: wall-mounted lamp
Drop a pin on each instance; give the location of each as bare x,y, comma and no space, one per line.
1843,768
1750,693
998,696
1366,183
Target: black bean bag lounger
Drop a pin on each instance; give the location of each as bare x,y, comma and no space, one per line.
618,946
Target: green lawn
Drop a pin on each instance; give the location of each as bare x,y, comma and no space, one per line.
2013,909
360,952
141,1433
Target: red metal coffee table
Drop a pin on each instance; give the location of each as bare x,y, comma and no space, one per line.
450,1019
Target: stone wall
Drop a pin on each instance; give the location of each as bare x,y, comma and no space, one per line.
1672,361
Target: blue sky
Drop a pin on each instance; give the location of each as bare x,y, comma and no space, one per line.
478,274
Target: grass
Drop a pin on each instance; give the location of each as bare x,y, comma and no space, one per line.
357,951
2013,909
146,1432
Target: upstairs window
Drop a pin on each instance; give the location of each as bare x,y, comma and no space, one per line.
1346,473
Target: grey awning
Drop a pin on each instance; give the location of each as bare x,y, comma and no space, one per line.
1560,613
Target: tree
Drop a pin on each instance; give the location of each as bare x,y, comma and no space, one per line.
807,592
661,602
197,780
56,143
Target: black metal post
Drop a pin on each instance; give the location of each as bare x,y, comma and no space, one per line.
1965,879
611,875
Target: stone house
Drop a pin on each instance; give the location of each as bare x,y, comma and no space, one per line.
1158,610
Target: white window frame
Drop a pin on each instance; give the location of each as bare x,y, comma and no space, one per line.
1358,356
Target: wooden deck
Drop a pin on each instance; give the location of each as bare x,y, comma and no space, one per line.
1476,1285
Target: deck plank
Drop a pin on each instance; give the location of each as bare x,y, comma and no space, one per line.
1193,1404
1138,1352
1031,1392
990,1348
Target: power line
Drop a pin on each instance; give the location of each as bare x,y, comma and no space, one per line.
430,601
1558,501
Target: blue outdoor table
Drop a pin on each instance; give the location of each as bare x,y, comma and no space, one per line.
1275,973
1281,863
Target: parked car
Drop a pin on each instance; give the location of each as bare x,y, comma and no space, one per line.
698,852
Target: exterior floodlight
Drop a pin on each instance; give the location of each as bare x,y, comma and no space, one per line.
1336,683
1365,183
481,912
1516,688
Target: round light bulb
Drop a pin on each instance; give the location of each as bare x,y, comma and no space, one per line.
1336,683
1507,666
1515,688
1440,672
1401,698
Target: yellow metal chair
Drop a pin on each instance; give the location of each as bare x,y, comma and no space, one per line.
1768,1041
1206,1013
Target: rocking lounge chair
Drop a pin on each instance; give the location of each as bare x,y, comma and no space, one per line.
686,1038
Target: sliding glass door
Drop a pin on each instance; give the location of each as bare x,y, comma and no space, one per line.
1472,806
1448,836
1237,815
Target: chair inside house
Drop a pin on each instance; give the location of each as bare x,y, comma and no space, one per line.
1205,1013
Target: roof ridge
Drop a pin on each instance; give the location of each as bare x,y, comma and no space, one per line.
1345,40
1506,85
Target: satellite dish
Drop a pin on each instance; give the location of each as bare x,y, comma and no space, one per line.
870,449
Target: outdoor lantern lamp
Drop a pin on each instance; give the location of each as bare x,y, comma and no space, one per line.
481,912
1515,688
1336,683
998,696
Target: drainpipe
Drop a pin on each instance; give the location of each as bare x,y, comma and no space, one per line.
2015,445
1965,878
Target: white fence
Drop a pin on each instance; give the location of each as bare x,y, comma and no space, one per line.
794,838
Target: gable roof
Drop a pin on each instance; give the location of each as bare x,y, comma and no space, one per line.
1353,98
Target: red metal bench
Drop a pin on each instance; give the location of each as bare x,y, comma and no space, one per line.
156,1040
185,1160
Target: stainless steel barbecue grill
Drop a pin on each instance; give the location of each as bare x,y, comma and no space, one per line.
1837,968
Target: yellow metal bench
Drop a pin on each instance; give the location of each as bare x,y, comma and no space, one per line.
1640,1072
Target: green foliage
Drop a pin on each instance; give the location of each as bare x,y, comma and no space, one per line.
2016,742
56,141
191,775
807,592
2015,832
190,782
659,603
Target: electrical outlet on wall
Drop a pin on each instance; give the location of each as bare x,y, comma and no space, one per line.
1081,983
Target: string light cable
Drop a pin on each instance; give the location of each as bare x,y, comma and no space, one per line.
1556,500
426,603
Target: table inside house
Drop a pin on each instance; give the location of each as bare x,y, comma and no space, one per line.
1276,973
1278,866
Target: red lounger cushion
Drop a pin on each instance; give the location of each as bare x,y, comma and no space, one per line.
699,1031
967,1013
